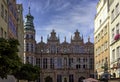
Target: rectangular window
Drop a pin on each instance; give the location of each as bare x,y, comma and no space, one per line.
52,63
118,52
59,62
113,34
117,9
112,15
117,29
70,62
59,78
6,16
113,55
71,78
44,63
38,62
2,10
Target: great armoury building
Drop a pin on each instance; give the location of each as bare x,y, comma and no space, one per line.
59,62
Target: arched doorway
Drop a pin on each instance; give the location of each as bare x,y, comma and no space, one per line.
48,79
81,79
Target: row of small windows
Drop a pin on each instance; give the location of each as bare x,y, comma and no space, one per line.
29,36
115,12
115,54
102,33
29,47
2,33
60,63
4,13
101,48
63,50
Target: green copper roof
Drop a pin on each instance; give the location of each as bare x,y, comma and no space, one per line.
28,25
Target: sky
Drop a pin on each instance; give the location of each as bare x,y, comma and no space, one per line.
64,16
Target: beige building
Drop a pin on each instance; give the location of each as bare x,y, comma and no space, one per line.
115,38
3,18
101,37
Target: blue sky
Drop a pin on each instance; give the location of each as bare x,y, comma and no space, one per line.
65,16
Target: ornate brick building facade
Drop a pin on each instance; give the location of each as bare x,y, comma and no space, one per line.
59,62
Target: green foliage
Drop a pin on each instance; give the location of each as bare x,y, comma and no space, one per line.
28,72
9,60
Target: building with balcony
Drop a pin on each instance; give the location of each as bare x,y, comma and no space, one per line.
101,37
114,13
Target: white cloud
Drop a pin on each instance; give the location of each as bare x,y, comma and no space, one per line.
79,17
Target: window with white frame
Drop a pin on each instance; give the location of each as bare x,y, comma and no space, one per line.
113,34
113,55
117,29
105,29
117,9
112,15
118,52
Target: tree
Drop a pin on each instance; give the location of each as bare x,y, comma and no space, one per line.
9,60
28,72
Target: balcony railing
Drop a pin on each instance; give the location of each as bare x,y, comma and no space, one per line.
117,37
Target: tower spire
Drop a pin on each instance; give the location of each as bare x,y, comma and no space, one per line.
89,39
29,10
29,3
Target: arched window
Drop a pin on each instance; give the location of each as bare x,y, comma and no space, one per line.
48,79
